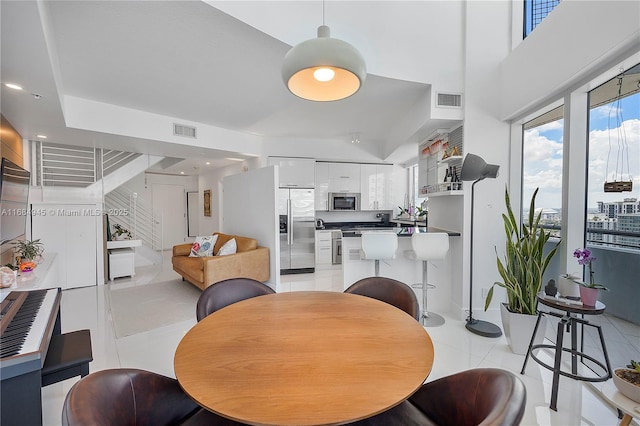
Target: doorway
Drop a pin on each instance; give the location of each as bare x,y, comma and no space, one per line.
164,200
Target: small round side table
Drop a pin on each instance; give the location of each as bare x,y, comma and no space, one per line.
568,320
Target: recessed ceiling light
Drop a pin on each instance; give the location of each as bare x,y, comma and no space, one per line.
13,86
207,163
181,173
41,136
234,159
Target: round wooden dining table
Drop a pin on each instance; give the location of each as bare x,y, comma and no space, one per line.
303,358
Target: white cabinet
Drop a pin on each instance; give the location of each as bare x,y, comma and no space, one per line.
121,263
376,182
323,248
70,230
322,186
295,172
344,177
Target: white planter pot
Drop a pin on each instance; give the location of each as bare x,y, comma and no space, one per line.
568,288
518,329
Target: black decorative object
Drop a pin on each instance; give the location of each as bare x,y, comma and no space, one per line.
551,289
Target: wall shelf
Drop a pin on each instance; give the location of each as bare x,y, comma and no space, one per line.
451,159
445,193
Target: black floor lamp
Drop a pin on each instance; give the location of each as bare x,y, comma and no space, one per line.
476,169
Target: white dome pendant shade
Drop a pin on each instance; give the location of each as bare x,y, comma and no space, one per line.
324,68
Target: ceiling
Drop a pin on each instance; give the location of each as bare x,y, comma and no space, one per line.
218,64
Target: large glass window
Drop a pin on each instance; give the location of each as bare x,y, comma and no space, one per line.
613,203
542,168
613,193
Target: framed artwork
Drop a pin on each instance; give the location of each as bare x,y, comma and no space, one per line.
207,202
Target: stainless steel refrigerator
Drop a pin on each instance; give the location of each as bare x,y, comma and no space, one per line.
297,230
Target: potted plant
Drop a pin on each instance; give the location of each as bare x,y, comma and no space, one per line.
521,270
28,250
567,286
28,253
588,291
627,380
121,233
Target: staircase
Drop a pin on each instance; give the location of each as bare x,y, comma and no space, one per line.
77,170
140,219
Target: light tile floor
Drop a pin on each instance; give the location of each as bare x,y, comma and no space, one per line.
456,349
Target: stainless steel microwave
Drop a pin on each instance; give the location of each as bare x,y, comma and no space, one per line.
344,201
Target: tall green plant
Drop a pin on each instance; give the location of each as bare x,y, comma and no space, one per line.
524,260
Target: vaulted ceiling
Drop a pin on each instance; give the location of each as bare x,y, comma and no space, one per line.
217,65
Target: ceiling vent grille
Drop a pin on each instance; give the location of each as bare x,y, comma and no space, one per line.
451,100
182,130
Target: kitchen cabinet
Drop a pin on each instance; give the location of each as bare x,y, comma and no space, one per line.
383,186
295,172
322,186
323,248
376,185
344,177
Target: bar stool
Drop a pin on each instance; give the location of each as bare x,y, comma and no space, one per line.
378,246
428,246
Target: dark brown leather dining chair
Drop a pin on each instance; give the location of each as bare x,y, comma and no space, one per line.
125,396
388,290
482,396
226,292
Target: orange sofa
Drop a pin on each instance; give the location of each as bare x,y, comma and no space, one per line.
250,261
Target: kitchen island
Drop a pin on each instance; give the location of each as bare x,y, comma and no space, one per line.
401,268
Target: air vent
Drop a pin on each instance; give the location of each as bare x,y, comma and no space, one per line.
451,100
186,131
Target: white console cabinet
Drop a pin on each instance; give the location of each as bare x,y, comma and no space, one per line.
122,258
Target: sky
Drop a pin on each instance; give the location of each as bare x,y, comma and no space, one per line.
614,154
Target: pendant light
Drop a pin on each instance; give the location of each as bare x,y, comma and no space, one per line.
324,68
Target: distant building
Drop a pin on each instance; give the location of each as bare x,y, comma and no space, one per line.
622,216
629,223
613,209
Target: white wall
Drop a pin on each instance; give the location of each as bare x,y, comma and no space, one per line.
213,181
487,136
574,43
249,209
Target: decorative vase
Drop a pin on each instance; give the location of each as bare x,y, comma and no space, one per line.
629,387
518,329
568,288
588,296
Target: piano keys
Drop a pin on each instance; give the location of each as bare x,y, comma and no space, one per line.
28,319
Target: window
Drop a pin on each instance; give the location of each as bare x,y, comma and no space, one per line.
613,205
542,168
535,11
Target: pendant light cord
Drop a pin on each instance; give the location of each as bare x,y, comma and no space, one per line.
322,12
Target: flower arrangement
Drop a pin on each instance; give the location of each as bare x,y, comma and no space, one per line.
586,259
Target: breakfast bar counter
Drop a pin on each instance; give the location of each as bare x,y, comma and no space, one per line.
441,272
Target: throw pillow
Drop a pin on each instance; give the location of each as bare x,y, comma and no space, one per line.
230,247
203,246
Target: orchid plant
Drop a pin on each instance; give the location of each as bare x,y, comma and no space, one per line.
586,259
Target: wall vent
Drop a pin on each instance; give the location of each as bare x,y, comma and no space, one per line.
451,100
182,130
